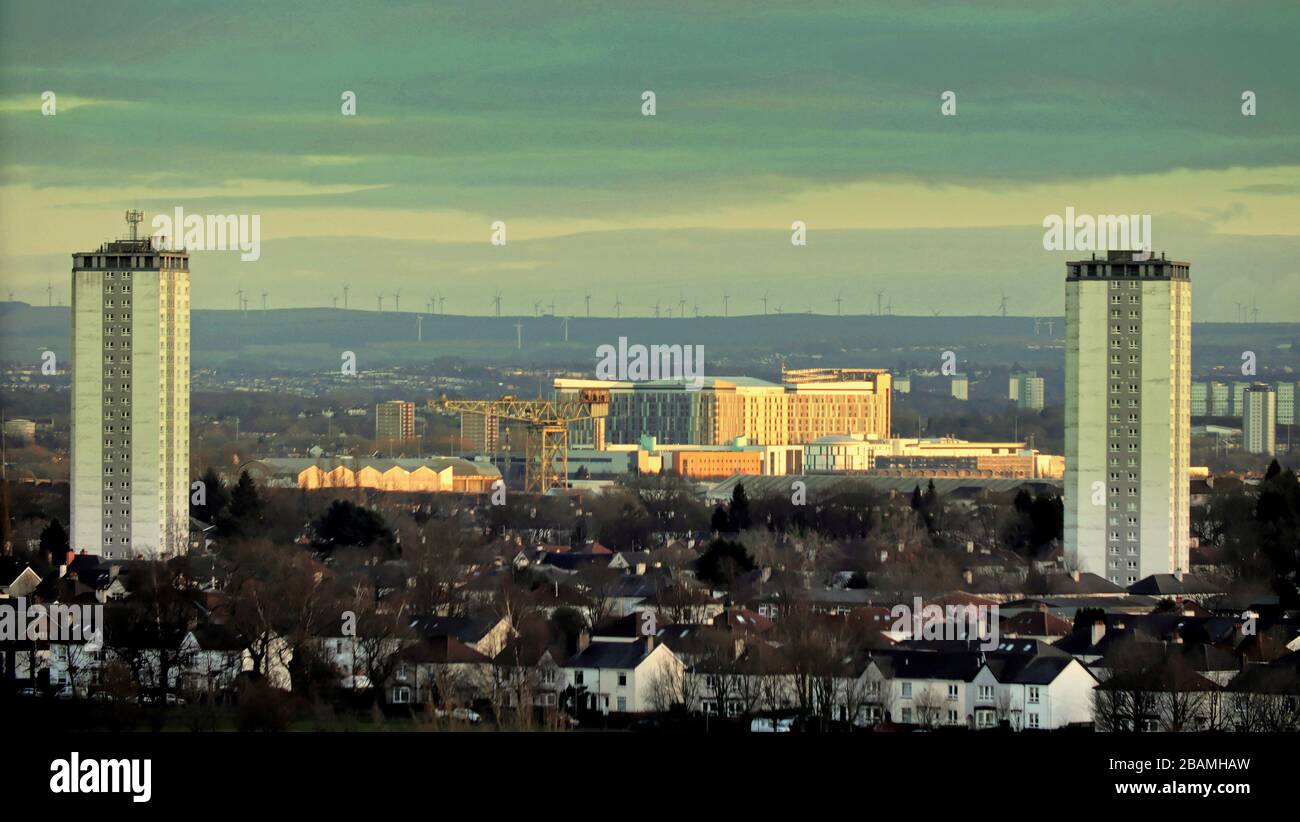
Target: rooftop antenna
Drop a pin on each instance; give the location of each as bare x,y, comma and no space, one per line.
133,218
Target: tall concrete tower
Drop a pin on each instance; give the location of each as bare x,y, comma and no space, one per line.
1127,415
130,398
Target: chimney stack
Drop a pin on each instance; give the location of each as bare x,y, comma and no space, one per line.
1098,631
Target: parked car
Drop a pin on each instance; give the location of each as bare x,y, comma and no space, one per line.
101,696
29,693
763,725
65,692
461,714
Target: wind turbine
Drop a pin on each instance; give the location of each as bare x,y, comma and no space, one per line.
588,299
764,303
565,320
442,303
519,336
880,296
239,298
397,300
1002,306
656,309
345,296
726,299
335,300
537,308
49,293
263,300
618,307
839,301
496,302
681,304
381,301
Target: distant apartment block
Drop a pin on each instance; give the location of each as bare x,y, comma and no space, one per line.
395,423
902,385
1220,399
1127,415
480,433
1285,403
1026,391
130,399
960,387
1259,419
1239,398
1200,399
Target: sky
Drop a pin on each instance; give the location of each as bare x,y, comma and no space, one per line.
766,114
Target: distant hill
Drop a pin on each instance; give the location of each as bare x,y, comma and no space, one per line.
313,338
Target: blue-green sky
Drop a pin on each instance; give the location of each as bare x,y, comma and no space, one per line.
530,113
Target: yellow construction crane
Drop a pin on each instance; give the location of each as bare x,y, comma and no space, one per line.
546,462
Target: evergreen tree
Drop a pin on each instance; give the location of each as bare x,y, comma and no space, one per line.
739,508
54,541
245,515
